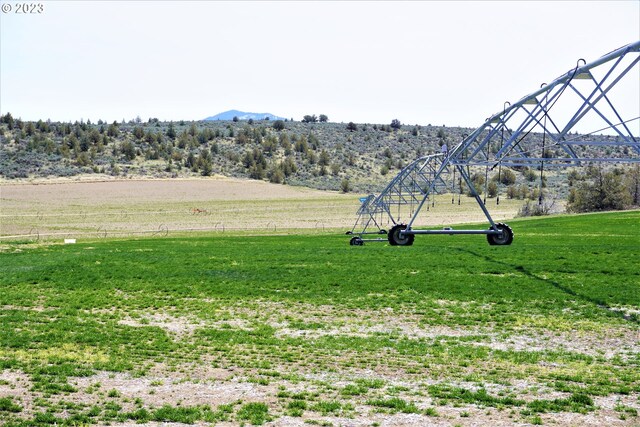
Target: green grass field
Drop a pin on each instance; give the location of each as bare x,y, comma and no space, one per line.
305,328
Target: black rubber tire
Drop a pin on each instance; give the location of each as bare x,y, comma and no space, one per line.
396,240
356,241
504,238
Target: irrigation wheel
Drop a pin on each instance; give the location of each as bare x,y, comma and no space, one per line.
504,238
395,239
356,241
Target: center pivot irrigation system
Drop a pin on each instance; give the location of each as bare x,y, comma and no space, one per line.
534,132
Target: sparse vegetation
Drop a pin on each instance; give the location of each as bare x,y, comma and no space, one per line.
309,327
182,149
318,154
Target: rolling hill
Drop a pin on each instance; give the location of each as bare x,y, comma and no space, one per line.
242,115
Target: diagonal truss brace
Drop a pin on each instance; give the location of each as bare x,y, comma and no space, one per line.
516,136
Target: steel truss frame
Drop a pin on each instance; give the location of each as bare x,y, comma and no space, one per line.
534,131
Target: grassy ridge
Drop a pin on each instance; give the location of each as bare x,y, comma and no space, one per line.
451,316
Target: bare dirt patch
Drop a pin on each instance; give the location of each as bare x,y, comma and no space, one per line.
314,321
175,325
623,343
158,389
17,385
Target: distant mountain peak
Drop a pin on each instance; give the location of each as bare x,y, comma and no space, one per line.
243,115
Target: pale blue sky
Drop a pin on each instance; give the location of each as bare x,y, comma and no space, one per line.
452,63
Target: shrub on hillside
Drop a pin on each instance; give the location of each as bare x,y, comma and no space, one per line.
602,192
